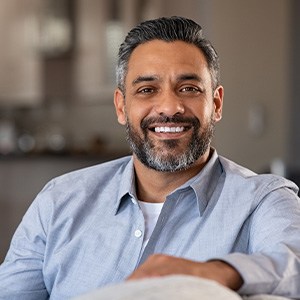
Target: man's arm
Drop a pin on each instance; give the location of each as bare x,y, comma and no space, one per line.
272,263
163,265
21,275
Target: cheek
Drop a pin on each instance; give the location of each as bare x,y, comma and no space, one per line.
136,113
202,112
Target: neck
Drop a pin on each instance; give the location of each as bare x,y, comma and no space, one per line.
154,186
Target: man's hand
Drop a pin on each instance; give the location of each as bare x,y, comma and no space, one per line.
163,265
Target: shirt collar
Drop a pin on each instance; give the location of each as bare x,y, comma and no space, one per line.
203,184
206,181
127,184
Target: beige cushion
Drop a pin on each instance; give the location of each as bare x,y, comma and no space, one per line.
175,287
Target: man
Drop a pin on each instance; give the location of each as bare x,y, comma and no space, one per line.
174,206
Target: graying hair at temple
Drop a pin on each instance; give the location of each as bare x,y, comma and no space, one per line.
169,30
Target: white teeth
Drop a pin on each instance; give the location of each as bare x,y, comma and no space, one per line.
169,129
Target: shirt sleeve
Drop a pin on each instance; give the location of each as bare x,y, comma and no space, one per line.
272,265
21,273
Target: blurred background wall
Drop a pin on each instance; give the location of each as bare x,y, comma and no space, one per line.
57,60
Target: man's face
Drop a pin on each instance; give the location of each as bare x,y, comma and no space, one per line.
169,108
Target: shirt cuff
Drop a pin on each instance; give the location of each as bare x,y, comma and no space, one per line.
257,271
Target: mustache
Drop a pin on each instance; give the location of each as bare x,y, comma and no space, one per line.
193,121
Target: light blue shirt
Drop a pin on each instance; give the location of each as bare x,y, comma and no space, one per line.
85,230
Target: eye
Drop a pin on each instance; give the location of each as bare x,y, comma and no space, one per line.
190,89
146,90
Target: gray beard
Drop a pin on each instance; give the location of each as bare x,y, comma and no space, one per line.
153,158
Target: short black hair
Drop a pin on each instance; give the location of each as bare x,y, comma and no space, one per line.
168,29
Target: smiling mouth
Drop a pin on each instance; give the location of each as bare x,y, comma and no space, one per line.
169,129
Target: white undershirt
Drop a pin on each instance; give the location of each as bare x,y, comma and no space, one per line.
151,213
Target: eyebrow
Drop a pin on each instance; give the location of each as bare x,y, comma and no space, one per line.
140,79
189,76
181,77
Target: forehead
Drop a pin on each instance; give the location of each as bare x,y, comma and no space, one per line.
167,58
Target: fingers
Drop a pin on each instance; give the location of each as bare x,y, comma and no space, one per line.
162,265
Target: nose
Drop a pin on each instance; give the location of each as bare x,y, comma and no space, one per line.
169,104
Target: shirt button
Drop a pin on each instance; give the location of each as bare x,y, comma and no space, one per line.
138,233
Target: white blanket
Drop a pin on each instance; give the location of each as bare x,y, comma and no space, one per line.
175,287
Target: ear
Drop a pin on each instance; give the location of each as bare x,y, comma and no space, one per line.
218,102
119,101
